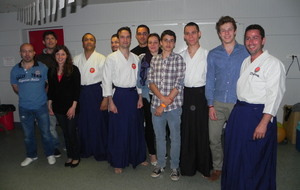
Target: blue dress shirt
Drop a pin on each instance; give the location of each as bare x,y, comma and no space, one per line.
223,71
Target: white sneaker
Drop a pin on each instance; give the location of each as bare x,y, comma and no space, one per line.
28,161
175,174
51,160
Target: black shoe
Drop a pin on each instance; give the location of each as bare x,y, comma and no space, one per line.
57,153
75,165
68,164
156,172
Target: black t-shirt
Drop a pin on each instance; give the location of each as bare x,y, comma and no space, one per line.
139,50
47,59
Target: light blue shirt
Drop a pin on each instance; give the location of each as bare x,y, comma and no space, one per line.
31,85
223,71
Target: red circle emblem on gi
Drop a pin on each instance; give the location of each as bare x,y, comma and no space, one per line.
92,70
257,69
133,66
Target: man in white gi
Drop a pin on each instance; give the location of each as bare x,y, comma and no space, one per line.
195,152
251,133
93,116
126,141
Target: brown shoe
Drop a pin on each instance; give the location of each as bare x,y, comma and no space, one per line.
215,175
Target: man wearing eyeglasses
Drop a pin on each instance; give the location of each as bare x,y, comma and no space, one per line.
142,33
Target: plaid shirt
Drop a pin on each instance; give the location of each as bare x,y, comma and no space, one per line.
167,74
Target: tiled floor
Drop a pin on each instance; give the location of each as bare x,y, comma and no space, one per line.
92,175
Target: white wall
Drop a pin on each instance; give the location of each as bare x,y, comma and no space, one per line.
279,18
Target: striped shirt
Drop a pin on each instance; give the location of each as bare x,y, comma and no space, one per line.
167,74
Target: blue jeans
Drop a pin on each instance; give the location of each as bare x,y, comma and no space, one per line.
27,118
173,118
53,132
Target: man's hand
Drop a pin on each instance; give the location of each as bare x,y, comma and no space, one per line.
166,100
112,107
212,113
104,104
159,111
260,132
261,129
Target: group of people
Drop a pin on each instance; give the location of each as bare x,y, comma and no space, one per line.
217,107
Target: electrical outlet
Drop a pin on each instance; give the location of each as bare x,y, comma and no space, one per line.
290,56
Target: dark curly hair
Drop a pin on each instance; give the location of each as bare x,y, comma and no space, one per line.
68,66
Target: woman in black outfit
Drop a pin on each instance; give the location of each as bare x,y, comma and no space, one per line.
145,59
63,96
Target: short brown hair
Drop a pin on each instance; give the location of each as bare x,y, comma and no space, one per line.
223,20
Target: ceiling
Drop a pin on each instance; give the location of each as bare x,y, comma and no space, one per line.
7,6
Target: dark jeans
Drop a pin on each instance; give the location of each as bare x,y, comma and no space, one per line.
69,127
149,131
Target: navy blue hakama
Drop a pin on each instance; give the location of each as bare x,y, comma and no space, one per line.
249,164
93,123
126,140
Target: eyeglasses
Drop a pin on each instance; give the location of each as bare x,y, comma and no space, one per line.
142,34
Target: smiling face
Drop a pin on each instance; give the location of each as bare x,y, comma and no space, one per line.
124,39
254,43
153,45
227,33
142,36
50,41
89,42
61,57
114,42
